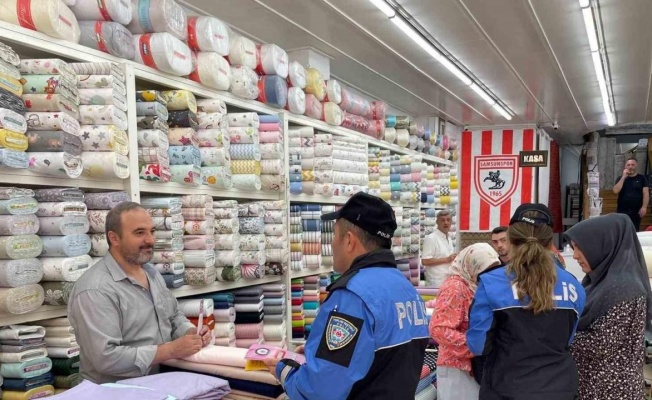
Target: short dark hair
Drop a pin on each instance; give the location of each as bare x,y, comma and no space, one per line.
114,218
632,158
499,229
369,242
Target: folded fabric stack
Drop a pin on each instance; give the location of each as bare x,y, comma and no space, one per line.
63,351
311,227
229,363
400,177
324,281
183,153
428,222
227,240
428,187
350,168
442,192
296,184
302,142
224,317
298,317
416,133
296,238
168,256
52,104
252,240
243,60
208,39
198,240
415,231
327,229
102,27
214,143
324,164
272,153
153,143
24,364
245,150
20,271
402,125
13,124
426,389
103,115
63,227
427,294
402,228
276,237
310,301
453,185
373,160
274,307
204,307
249,316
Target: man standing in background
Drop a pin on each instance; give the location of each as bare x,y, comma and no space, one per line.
500,243
438,251
633,193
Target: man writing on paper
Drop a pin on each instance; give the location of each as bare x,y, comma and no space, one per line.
633,193
126,320
438,251
369,338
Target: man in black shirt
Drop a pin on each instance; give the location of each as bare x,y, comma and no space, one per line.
633,193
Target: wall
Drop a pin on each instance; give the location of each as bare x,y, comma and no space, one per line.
570,169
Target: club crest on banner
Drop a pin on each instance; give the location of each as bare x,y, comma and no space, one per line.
496,177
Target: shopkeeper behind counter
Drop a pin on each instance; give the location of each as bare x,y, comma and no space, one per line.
126,320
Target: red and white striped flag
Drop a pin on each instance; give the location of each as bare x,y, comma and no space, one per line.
493,185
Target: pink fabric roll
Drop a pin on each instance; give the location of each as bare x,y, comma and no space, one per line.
376,129
269,127
355,122
414,262
354,104
377,111
249,331
224,315
314,108
247,343
271,137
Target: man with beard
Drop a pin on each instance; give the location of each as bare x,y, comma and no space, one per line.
126,320
500,243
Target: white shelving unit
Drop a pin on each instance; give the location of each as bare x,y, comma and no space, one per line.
31,44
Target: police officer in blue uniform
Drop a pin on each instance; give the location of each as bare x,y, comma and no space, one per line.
368,340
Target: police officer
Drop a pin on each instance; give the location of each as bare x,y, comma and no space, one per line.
369,338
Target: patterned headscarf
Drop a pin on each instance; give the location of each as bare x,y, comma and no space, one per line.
472,261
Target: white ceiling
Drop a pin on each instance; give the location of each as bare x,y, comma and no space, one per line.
533,54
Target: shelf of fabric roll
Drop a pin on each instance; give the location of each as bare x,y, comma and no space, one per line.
316,199
181,189
434,206
310,272
25,177
323,126
41,313
185,291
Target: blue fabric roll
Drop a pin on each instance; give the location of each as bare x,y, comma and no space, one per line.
184,155
295,208
311,225
28,383
274,91
295,178
310,207
390,121
395,186
424,197
431,212
296,187
173,281
426,135
396,196
268,119
395,177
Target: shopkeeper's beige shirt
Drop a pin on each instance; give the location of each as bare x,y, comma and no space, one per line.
119,323
437,245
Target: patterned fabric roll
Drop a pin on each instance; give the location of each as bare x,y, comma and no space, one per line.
54,141
104,138
183,119
152,122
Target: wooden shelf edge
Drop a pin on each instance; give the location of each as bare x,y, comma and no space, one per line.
310,272
43,312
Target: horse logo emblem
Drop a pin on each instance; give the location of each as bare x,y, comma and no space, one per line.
496,178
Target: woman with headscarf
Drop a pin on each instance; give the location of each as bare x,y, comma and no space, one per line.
609,347
450,321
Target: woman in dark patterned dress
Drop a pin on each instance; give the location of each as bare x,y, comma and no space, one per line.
609,347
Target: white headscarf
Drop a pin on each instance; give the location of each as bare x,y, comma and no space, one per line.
471,261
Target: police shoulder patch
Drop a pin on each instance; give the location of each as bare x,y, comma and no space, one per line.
340,338
339,332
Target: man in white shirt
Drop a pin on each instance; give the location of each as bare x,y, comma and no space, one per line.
438,251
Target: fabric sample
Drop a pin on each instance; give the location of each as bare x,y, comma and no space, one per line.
16,273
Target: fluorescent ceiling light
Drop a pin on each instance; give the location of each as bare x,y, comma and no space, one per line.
585,3
456,71
384,7
502,112
590,28
610,118
483,94
416,37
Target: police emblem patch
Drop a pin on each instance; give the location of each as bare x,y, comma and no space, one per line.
339,333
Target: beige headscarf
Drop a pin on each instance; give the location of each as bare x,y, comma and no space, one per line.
471,261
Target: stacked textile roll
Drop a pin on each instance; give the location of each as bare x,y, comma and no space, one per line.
25,366
20,270
208,38
245,150
302,142
400,177
373,161
183,153
63,227
350,168
397,239
102,27
315,93
64,200
153,143
200,308
416,133
99,205
103,115
327,229
160,29
224,316
252,240
296,184
310,301
272,65
214,143
453,186
324,282
272,153
249,316
168,255
323,164
428,222
273,89
298,317
227,240
361,115
276,237
63,350
52,105
296,238
198,240
13,124
428,186
311,227
51,17
274,308
243,60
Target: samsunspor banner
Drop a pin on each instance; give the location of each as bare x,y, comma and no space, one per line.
493,185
